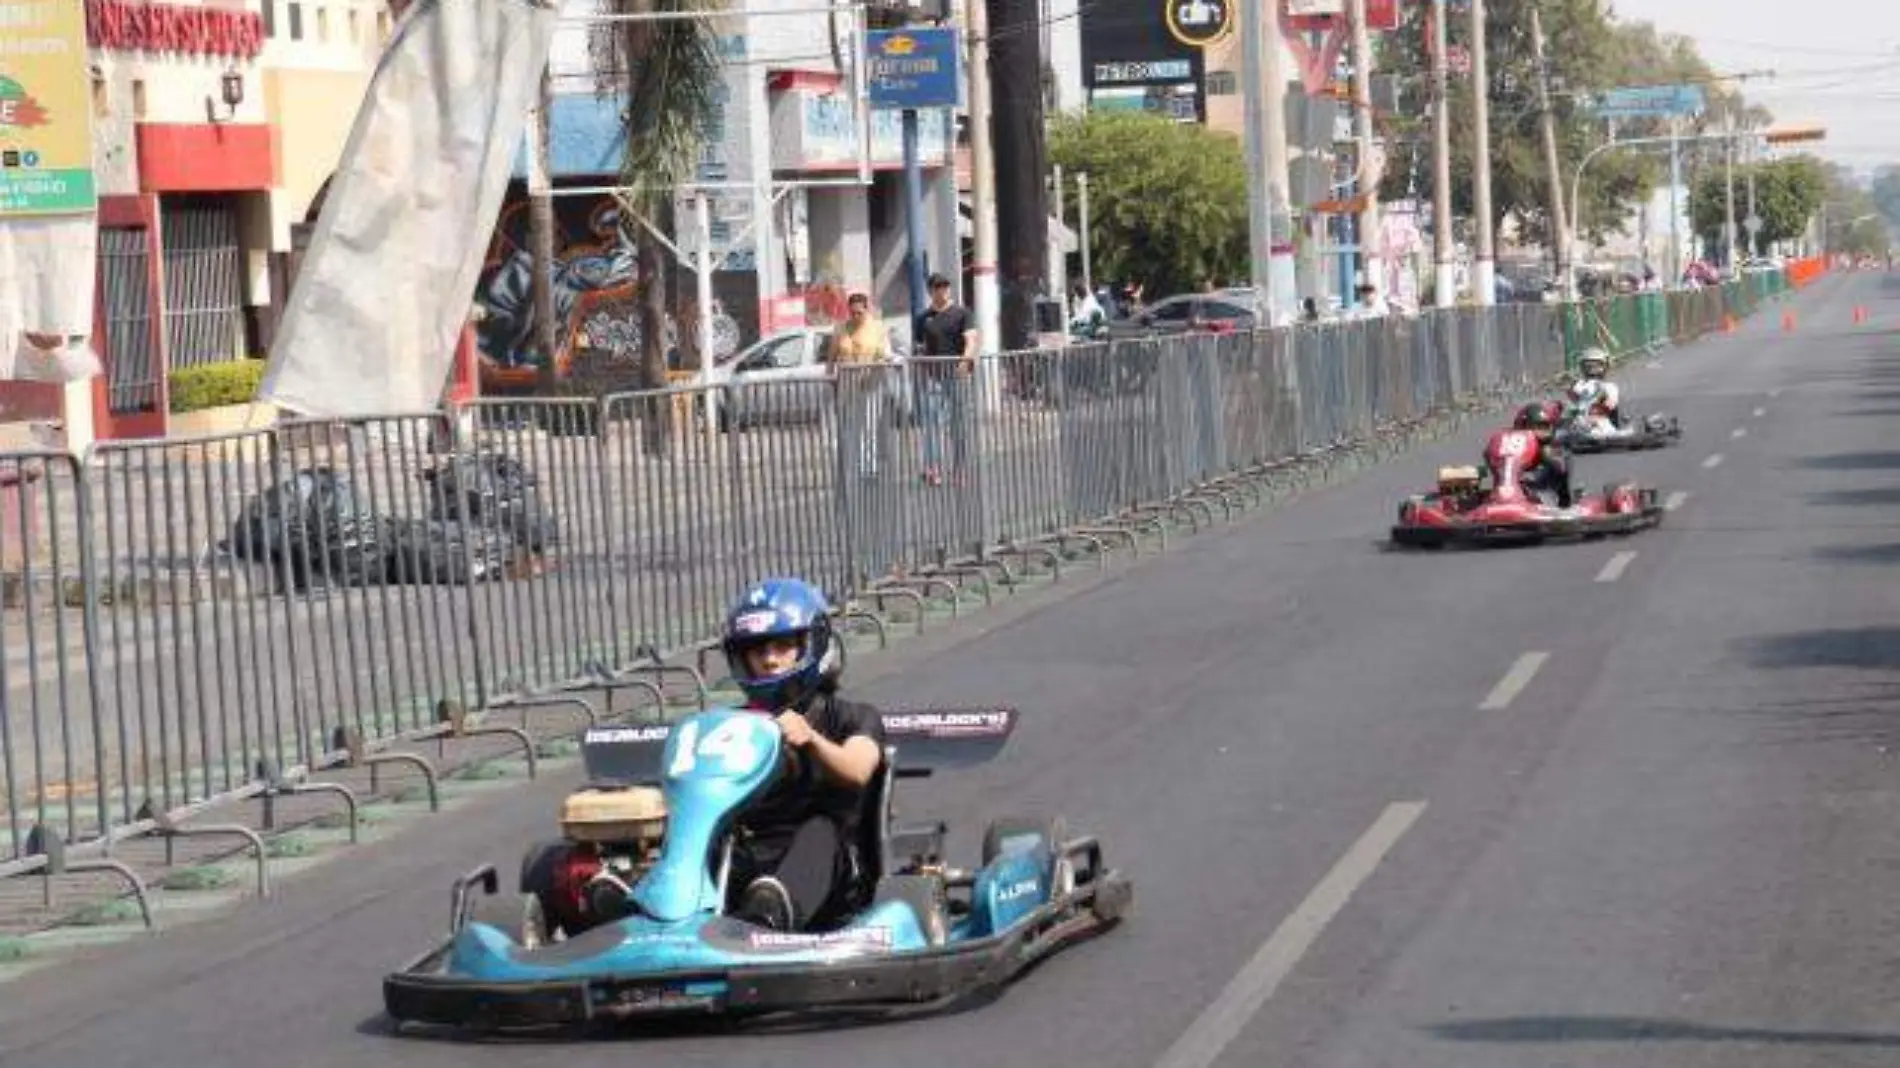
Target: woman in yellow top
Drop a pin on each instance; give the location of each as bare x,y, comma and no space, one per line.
860,344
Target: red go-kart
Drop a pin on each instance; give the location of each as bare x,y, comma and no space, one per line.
1490,507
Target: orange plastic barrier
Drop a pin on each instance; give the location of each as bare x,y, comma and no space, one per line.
1803,272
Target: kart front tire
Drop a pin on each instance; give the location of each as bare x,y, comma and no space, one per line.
1003,831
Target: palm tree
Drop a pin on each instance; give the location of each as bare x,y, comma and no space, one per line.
667,74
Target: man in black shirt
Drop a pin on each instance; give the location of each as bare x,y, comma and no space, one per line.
944,378
795,849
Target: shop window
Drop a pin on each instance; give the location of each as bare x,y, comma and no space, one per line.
323,25
270,18
138,100
382,26
1222,83
295,10
101,95
356,31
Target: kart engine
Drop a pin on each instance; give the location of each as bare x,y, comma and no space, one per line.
613,837
1460,484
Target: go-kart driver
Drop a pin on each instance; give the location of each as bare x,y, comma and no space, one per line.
1594,395
1549,471
792,857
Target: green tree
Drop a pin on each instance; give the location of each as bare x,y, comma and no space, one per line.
1857,222
1788,192
1586,51
1168,199
668,76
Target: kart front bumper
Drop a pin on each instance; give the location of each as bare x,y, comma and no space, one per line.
423,993
1437,536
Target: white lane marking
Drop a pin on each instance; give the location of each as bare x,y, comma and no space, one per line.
1759,412
1513,682
1617,565
1773,393
1739,432
1221,1022
1713,461
1675,500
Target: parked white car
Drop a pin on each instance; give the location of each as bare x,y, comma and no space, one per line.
785,379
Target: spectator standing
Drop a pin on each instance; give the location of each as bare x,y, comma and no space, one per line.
861,353
945,380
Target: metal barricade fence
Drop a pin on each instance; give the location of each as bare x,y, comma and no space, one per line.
51,731
208,615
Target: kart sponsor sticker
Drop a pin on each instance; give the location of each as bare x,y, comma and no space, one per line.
755,622
1018,889
651,732
949,723
858,938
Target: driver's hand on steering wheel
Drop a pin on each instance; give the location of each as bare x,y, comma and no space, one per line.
797,730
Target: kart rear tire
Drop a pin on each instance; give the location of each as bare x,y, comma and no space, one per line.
924,894
516,915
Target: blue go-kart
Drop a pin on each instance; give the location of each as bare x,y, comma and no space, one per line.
626,916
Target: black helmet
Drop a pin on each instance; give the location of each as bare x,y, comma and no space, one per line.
1534,417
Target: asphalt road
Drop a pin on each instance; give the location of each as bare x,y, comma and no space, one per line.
1538,807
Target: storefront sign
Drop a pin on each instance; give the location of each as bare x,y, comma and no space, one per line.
204,31
45,113
914,68
818,130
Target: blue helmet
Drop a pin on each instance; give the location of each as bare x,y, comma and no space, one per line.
783,608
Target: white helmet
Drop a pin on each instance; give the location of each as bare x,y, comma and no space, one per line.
1593,362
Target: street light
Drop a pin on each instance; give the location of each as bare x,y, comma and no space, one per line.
1576,185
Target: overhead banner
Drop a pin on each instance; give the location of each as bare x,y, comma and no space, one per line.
48,229
389,279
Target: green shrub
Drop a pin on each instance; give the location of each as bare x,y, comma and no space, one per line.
215,385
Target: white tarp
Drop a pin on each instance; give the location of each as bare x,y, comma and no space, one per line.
387,283
46,287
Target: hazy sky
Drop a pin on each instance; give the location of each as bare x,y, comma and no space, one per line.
1837,62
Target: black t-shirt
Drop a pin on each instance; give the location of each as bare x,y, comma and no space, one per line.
945,333
813,791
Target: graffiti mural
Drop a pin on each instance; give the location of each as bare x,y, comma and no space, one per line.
596,302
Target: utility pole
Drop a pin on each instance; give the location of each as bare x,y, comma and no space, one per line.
1253,18
1370,232
1059,263
1754,235
541,227
1082,210
1559,225
1675,201
1484,276
1446,280
985,296
1728,219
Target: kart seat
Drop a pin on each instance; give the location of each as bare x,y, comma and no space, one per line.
883,848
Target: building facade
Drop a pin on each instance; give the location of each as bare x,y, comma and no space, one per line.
794,226
214,124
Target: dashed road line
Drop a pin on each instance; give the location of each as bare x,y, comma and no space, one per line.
1617,565
1713,461
1513,682
1759,412
1738,432
1222,1021
1675,500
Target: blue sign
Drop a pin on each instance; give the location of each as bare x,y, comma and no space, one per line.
1654,101
914,68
